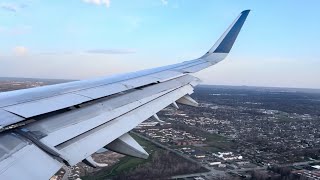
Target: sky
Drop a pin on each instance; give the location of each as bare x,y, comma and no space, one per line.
278,46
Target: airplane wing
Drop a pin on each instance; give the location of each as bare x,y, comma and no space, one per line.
47,127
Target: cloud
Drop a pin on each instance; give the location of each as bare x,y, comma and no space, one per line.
12,7
164,2
111,51
20,50
98,2
9,7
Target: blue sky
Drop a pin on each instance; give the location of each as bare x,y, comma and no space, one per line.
77,39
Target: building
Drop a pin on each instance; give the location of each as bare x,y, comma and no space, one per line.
214,163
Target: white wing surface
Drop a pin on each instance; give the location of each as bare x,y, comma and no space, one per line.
47,127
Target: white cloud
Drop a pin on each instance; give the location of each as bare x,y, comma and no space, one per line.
9,7
20,50
12,7
164,2
98,2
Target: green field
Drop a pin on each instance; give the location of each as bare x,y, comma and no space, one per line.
214,142
126,163
161,163
217,143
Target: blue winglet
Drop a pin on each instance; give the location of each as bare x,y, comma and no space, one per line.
226,41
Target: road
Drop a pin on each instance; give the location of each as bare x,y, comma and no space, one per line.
171,150
67,172
211,171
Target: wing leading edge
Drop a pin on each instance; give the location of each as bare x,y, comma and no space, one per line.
66,123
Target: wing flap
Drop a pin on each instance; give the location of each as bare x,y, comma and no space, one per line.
29,163
67,133
22,160
108,132
61,128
